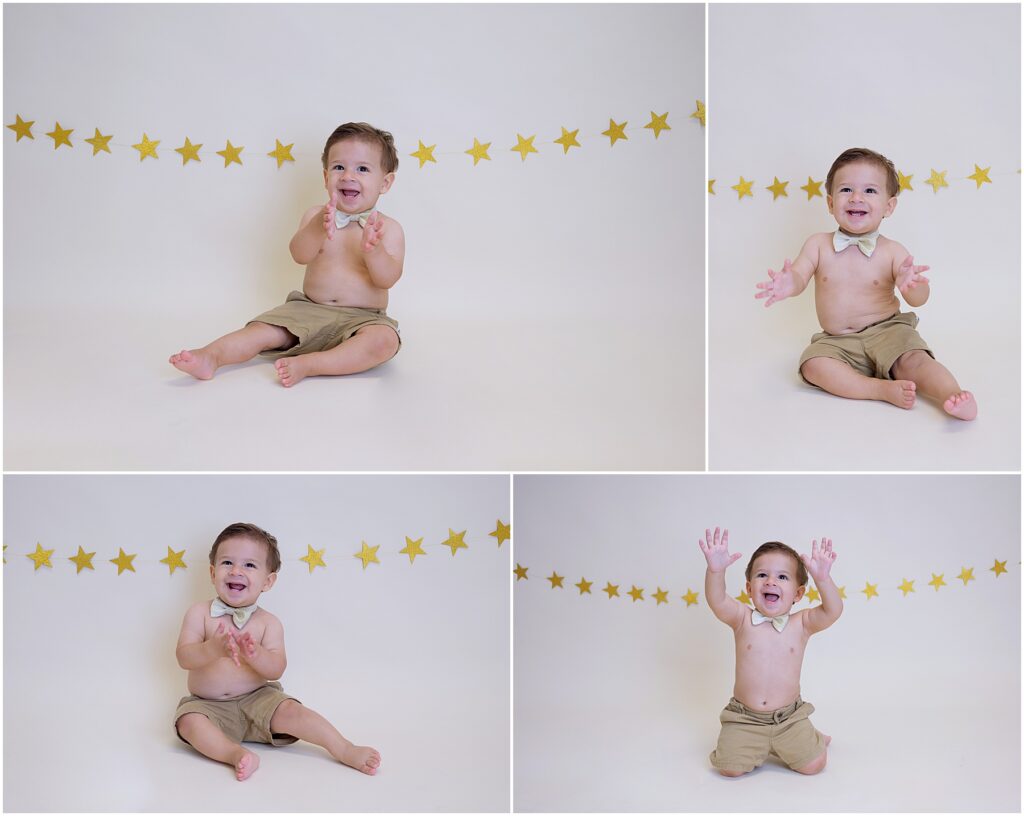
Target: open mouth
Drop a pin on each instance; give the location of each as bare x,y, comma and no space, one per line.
771,597
857,213
349,194
235,587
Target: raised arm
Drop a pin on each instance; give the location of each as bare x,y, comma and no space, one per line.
819,567
794,276
716,552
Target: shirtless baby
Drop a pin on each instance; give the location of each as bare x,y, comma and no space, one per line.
234,652
868,349
766,714
353,255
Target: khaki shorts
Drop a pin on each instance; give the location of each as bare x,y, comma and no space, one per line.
748,737
872,351
319,327
242,719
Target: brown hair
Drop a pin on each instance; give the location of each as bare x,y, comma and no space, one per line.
778,546
251,531
360,131
862,154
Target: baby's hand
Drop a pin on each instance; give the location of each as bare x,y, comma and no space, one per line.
226,643
908,276
373,232
821,560
246,646
717,551
779,286
329,209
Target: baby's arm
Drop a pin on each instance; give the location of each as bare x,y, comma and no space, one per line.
908,278
194,651
793,278
716,552
819,567
305,244
383,250
267,658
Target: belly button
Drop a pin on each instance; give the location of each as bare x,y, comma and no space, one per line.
791,650
824,278
875,283
748,645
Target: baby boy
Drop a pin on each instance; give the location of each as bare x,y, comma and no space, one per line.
868,349
766,714
353,255
234,652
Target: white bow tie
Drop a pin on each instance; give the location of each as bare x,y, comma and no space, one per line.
779,623
865,243
342,220
239,614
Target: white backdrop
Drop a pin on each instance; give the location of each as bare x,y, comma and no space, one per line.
551,310
412,659
617,702
931,86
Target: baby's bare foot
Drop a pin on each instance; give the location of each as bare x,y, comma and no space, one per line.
199,364
900,393
362,758
961,405
246,765
291,370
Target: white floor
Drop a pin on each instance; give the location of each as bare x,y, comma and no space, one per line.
489,394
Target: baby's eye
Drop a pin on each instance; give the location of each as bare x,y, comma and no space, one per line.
337,167
872,190
364,169
784,577
844,189
250,564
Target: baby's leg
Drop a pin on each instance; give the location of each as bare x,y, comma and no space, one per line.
934,380
840,379
236,347
816,765
291,717
366,349
211,742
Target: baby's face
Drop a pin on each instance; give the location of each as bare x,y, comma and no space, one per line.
772,586
240,572
859,199
355,173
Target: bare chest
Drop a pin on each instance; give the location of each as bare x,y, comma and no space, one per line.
763,645
851,272
254,627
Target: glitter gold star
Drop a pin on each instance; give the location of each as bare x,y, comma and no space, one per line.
61,136
82,560
842,592
700,114
314,558
937,581
980,176
584,586
41,557
711,186
22,128
744,188
568,139
189,152
937,180
871,590
743,598
231,154
520,572
174,560
999,567
778,188
503,532
100,142
123,561
615,131
555,579
658,123
412,548
455,541
636,593
424,154
660,596
477,151
611,589
690,597
905,181
812,595
368,555
812,188
281,153
906,587
147,147
966,574
525,146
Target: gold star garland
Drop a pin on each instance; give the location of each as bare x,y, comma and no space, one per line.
525,145
368,553
811,596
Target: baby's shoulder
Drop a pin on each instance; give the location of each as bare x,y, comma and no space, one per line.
266,618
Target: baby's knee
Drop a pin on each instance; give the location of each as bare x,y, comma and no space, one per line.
731,774
814,766
188,723
909,361
382,340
